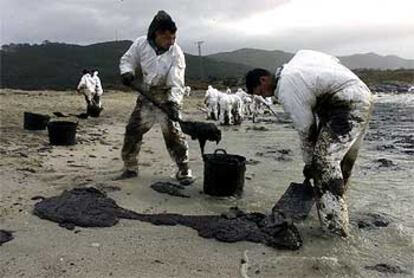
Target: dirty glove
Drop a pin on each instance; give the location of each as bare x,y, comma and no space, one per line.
173,111
308,172
127,78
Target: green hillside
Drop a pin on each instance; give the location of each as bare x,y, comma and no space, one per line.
58,66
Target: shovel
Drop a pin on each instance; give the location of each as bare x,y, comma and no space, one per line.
297,201
196,130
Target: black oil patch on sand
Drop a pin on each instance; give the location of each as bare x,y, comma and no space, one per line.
89,207
386,268
170,189
5,236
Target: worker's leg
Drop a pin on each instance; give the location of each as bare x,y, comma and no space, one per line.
97,100
224,112
247,107
215,113
140,121
177,148
348,161
209,110
363,110
88,97
237,114
342,127
212,109
241,110
255,110
329,184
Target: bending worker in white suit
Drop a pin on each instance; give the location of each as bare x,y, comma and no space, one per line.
330,107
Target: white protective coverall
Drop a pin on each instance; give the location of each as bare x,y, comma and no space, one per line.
86,87
231,109
330,107
164,75
246,99
211,100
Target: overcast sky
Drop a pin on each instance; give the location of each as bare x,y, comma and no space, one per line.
339,27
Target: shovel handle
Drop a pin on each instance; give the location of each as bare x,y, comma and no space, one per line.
145,93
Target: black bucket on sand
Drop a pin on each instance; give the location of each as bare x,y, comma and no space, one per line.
94,110
224,173
62,133
33,121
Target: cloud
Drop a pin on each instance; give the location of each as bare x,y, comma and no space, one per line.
336,26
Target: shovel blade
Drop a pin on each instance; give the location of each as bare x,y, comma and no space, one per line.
296,202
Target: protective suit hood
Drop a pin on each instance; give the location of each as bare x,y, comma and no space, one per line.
162,20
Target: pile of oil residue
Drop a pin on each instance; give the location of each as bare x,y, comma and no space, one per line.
89,207
170,189
202,132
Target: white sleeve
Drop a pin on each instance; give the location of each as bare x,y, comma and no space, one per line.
131,59
294,102
82,83
176,77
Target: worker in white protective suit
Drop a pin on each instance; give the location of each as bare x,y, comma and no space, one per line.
211,100
246,100
231,109
257,105
187,91
330,107
159,63
98,90
86,86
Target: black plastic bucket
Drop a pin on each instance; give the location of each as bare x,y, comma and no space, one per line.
224,173
62,133
33,121
94,111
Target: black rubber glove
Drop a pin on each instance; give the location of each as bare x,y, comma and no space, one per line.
308,172
173,111
127,78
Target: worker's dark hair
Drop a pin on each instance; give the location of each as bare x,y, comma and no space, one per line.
85,71
253,79
161,22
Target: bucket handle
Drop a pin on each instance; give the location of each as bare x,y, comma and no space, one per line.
220,150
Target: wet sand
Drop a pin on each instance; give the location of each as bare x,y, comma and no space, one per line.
31,167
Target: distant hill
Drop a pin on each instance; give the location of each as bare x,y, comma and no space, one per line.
375,61
58,66
272,59
254,57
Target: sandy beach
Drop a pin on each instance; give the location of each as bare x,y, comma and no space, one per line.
30,167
